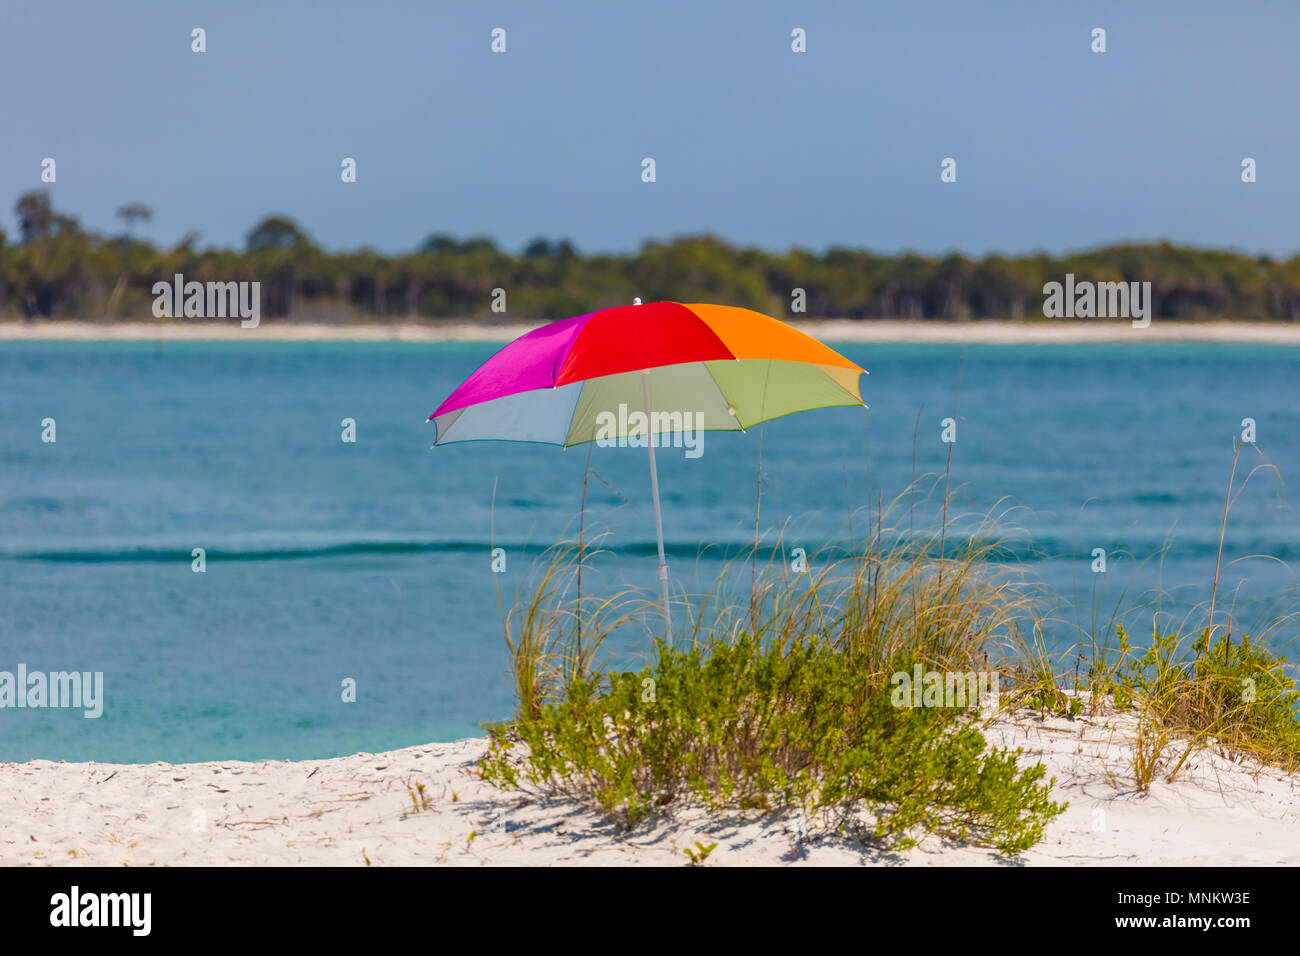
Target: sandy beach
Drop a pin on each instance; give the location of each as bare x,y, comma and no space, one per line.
358,810
831,330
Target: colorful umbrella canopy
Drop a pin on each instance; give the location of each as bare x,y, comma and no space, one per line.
681,367
731,367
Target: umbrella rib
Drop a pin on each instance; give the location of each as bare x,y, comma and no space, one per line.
568,432
718,385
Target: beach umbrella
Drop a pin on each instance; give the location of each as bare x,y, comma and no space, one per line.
644,375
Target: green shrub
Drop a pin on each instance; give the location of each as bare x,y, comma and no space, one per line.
1226,694
751,725
1239,693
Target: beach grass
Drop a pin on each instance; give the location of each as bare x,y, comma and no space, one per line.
1195,684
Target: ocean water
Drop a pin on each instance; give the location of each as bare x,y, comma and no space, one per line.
370,560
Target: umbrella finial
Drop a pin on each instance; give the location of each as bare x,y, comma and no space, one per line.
636,301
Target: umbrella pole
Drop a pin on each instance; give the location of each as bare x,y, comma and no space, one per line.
659,521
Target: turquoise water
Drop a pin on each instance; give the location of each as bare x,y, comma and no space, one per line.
328,560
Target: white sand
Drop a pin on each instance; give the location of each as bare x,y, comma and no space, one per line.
345,810
836,330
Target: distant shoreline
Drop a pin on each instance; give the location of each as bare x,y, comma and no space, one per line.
977,332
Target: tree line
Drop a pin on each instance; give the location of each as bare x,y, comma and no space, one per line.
53,268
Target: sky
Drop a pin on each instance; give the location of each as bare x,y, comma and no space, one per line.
1057,148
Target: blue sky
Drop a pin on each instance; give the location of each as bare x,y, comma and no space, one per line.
1057,148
